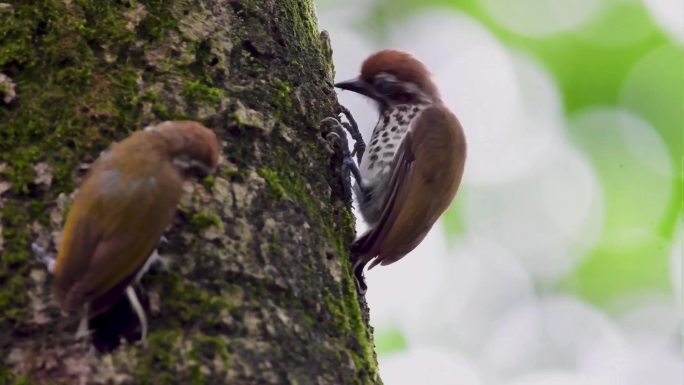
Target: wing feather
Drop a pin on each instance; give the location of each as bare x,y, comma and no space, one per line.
426,176
111,238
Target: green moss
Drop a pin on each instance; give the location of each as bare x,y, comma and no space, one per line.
273,182
235,175
347,315
204,350
13,269
209,182
13,299
303,17
282,99
159,20
159,108
205,219
7,378
158,365
190,304
196,91
167,361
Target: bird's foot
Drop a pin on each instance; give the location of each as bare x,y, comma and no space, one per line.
338,137
46,258
353,129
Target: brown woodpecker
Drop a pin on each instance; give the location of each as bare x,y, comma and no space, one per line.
121,210
414,162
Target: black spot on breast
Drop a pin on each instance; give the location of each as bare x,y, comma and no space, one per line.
374,142
387,154
385,134
403,108
385,140
376,149
385,119
394,128
374,157
389,145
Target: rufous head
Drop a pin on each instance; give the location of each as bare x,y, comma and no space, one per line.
393,77
193,147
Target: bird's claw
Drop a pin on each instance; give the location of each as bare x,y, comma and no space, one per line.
359,277
353,128
333,137
359,149
337,136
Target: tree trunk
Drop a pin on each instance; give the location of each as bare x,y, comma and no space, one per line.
259,289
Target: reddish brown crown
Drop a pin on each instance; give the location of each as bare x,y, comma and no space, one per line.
402,65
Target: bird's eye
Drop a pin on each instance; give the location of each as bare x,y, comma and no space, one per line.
391,89
385,86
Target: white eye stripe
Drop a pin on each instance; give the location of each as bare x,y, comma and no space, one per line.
200,165
386,76
185,163
181,162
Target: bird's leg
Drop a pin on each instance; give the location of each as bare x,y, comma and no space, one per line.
43,256
82,331
155,257
139,311
353,129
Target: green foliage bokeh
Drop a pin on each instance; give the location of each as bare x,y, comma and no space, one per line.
620,59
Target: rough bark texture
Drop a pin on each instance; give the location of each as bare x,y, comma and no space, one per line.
259,290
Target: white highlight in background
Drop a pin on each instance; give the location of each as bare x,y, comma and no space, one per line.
428,366
669,15
542,17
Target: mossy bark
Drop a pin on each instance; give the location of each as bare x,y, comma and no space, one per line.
259,289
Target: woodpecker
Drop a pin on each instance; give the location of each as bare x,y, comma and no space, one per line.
120,212
414,162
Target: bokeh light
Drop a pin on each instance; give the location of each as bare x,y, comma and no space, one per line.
542,17
668,15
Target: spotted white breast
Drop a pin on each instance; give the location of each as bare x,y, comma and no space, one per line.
388,134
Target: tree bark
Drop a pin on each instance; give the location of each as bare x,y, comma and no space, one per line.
259,289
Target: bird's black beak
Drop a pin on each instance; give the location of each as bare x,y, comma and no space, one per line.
359,86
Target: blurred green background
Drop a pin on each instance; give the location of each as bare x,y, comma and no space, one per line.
616,68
